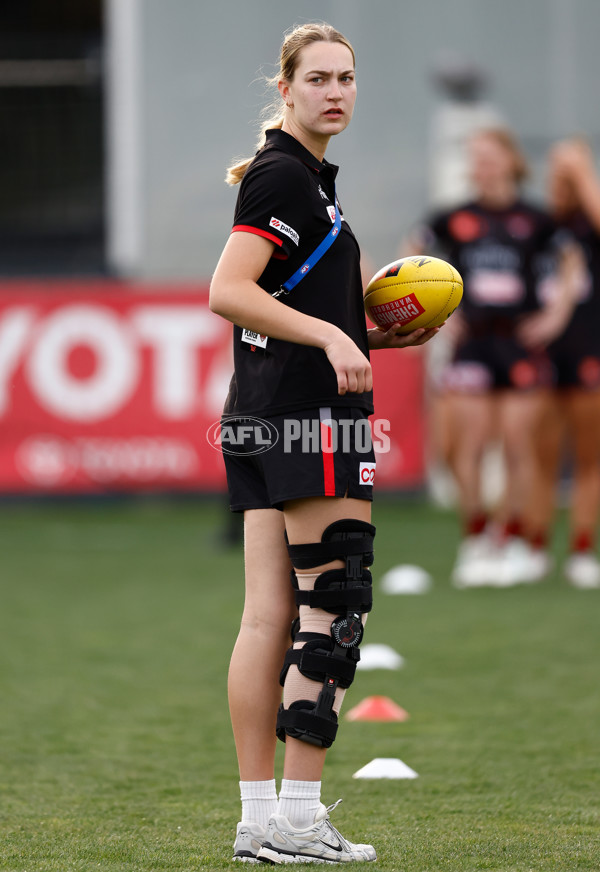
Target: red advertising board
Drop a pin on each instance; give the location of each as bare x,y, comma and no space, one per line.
111,387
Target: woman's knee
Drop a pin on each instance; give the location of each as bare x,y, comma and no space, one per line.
333,589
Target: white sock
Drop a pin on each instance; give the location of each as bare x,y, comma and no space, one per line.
259,801
299,801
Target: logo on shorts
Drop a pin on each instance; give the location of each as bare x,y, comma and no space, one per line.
286,229
524,374
589,372
467,376
331,213
243,436
366,473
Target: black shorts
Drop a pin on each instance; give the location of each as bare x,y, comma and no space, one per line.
316,452
496,362
575,361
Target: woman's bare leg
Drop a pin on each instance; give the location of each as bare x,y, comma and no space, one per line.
264,637
583,416
519,415
472,420
548,444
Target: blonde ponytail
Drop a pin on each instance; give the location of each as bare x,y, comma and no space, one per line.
235,172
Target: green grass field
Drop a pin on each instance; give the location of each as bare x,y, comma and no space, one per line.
116,624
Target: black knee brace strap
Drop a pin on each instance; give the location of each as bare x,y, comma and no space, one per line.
317,660
347,540
338,590
307,721
332,659
336,593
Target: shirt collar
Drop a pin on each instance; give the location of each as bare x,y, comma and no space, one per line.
285,142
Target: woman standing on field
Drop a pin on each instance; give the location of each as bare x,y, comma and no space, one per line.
572,411
289,279
495,383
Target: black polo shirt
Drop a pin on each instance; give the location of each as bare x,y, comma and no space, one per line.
287,196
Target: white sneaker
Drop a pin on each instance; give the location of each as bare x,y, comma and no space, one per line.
248,839
475,562
521,563
541,564
319,843
582,570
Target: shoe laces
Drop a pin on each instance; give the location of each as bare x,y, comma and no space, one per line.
344,842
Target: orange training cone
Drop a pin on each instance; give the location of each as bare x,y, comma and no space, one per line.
377,708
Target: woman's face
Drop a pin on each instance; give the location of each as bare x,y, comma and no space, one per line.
491,163
323,90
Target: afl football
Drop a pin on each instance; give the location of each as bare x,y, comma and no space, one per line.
416,291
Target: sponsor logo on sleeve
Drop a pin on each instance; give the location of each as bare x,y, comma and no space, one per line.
285,229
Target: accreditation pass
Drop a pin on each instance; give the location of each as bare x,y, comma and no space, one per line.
258,339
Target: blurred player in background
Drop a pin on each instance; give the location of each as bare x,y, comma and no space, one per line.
301,357
463,108
499,369
572,411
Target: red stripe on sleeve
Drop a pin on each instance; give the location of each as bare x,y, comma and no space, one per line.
245,228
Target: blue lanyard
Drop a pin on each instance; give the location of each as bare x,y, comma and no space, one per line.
316,256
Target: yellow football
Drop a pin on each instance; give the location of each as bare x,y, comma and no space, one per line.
418,291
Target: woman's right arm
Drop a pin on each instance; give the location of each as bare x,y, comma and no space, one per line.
236,296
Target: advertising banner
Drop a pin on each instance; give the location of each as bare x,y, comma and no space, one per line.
111,387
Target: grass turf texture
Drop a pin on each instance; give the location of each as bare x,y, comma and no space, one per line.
116,625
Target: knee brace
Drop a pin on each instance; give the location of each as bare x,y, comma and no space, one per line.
329,659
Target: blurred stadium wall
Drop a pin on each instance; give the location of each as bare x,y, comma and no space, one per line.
186,83
119,116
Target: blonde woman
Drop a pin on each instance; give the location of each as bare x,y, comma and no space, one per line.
289,279
571,418
496,380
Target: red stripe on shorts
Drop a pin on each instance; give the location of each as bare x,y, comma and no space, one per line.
327,452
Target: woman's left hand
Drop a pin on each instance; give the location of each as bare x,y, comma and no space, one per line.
379,338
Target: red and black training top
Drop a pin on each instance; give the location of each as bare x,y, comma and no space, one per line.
495,251
287,196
